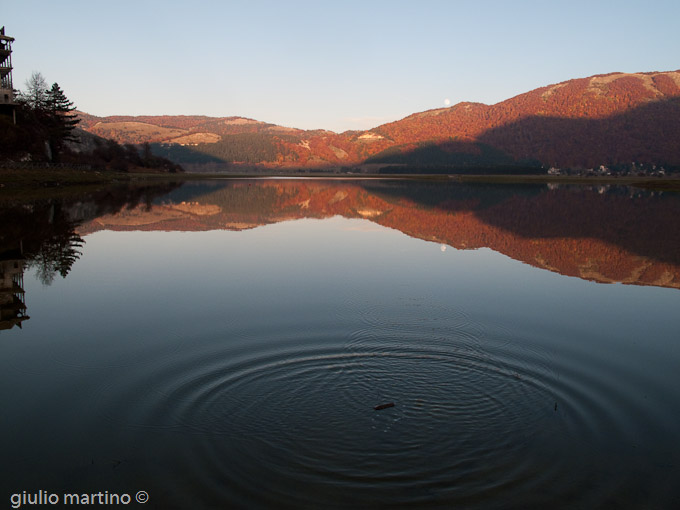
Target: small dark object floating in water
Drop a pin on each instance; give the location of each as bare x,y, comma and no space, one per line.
384,406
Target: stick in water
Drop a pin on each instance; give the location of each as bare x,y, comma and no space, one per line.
384,406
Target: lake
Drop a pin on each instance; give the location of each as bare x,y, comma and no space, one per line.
225,344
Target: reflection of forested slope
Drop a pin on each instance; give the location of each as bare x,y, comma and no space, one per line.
644,224
451,197
562,251
43,233
237,205
608,237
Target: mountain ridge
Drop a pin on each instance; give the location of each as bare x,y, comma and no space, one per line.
541,127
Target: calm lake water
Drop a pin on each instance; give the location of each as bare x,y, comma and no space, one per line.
223,345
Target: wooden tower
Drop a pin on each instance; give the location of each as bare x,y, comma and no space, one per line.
7,104
12,299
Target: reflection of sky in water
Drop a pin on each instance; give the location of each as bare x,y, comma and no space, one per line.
175,339
312,263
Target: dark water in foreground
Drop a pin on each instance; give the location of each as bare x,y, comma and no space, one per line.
223,345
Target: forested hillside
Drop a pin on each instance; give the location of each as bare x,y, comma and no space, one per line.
611,120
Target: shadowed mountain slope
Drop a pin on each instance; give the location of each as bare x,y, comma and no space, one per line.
611,119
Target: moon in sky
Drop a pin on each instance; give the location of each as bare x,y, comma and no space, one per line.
447,101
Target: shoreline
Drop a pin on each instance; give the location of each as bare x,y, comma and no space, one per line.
41,178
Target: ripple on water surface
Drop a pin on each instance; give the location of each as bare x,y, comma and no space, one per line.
480,417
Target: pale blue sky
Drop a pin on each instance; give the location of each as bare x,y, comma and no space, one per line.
327,65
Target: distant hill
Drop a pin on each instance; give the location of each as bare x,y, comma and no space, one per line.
607,119
172,128
613,120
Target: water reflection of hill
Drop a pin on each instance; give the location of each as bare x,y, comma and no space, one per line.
603,234
42,235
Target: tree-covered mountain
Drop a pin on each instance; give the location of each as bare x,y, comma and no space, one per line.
614,120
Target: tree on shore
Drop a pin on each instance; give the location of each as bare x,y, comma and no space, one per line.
46,122
62,121
45,118
35,96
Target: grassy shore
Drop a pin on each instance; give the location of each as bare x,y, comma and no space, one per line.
657,183
41,183
50,180
50,177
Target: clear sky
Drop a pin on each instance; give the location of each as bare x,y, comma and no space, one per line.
327,65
